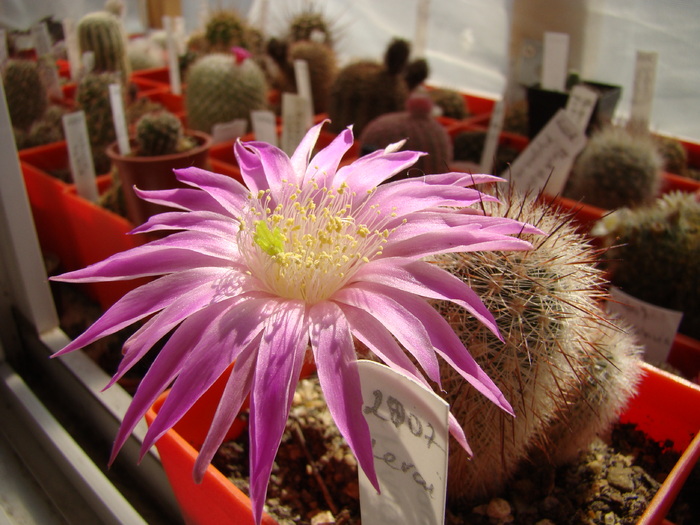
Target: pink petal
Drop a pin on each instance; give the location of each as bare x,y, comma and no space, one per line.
389,311
427,280
201,221
336,364
323,166
371,170
228,192
182,198
301,156
264,167
280,359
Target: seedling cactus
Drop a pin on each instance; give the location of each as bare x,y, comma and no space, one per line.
159,133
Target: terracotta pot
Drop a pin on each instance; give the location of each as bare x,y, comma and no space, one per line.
662,409
154,173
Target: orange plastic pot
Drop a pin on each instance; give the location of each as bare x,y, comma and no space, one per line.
154,173
663,408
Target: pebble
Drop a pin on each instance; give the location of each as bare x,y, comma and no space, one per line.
498,508
621,478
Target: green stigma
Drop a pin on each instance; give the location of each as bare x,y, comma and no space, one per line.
271,241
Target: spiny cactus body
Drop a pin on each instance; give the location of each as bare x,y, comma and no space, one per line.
616,168
654,254
450,102
102,33
545,302
225,29
221,90
364,90
158,133
674,154
25,93
421,131
311,24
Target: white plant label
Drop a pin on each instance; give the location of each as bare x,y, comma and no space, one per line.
643,90
547,159
264,126
88,60
228,131
80,155
655,326
72,48
420,39
555,61
42,40
409,428
46,65
580,105
492,135
295,121
119,118
173,57
303,80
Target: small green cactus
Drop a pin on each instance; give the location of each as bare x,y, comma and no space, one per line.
450,102
364,90
25,93
158,133
674,154
616,168
220,89
225,29
654,253
312,25
102,33
545,302
421,131
48,129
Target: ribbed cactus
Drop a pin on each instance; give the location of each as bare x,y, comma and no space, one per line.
221,90
450,102
25,93
654,253
103,34
545,302
92,96
158,133
421,131
616,168
364,90
674,154
225,29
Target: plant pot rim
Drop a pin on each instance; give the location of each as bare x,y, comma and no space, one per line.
204,142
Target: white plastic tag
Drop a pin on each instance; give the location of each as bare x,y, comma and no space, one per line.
119,118
80,155
409,429
42,40
88,61
420,39
547,159
492,135
655,326
295,111
46,65
264,126
72,48
555,60
303,80
643,90
226,131
580,105
173,57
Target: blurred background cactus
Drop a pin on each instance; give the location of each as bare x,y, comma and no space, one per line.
160,133
559,348
469,145
654,252
366,89
102,34
225,29
616,168
311,24
220,89
674,154
26,95
451,103
421,131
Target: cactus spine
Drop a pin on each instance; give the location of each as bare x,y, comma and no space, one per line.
221,90
654,254
617,168
26,95
102,33
158,133
545,303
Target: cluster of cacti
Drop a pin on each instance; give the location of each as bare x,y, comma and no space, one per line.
102,34
450,102
222,88
158,133
25,93
674,154
92,96
616,168
421,131
654,253
364,90
562,364
469,145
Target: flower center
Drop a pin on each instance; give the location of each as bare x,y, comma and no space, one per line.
309,245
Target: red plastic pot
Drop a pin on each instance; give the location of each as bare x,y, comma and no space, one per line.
662,408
